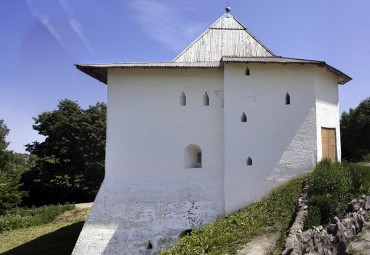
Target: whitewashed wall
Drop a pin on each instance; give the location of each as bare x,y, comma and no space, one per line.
147,193
327,107
280,138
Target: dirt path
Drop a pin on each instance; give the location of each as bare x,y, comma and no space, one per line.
260,245
362,242
84,205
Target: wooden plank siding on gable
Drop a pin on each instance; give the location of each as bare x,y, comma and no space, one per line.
226,37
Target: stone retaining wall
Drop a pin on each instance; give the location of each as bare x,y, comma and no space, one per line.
331,241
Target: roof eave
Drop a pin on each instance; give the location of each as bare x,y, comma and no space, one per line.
100,71
342,77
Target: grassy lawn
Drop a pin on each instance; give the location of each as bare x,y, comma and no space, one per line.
225,236
57,237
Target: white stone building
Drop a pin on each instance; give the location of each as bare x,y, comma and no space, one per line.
205,135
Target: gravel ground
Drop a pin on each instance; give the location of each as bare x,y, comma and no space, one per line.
260,245
362,242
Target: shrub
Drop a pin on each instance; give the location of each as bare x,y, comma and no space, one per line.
328,192
332,186
366,158
357,176
327,205
329,178
313,218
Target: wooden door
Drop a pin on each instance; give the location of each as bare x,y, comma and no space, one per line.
329,144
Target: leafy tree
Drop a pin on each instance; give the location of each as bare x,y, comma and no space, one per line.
5,157
355,132
10,195
70,162
4,131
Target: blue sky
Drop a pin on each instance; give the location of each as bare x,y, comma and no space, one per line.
41,40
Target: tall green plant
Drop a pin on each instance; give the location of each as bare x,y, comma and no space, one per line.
328,192
329,178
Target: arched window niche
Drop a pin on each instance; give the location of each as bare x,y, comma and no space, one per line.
149,245
247,72
205,99
243,118
183,98
287,98
193,156
249,161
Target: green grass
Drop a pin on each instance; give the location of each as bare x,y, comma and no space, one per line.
27,217
272,214
55,238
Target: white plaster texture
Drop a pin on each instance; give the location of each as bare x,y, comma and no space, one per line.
279,138
327,107
148,194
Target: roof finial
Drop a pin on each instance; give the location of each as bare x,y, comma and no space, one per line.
228,9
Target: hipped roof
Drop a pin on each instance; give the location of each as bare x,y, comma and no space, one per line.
226,37
227,40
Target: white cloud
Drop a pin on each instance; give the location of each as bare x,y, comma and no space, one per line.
76,26
164,24
45,21
67,8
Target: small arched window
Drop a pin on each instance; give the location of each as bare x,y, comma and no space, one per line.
193,156
205,99
182,98
149,245
243,118
287,98
249,161
247,72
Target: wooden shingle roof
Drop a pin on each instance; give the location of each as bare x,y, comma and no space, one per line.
226,37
